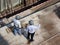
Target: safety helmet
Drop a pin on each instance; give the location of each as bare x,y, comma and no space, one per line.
31,22
18,17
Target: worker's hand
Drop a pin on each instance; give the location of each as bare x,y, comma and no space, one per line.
12,24
38,26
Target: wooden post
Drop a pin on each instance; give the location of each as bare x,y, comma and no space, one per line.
4,4
0,9
20,2
11,5
8,6
24,2
0,5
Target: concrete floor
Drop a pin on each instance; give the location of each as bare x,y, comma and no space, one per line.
48,34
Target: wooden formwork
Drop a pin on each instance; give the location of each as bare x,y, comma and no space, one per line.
14,9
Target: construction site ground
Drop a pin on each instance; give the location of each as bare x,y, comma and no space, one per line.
48,34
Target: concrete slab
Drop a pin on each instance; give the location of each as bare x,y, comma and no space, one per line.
48,34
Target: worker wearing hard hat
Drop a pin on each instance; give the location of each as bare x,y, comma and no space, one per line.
31,30
17,25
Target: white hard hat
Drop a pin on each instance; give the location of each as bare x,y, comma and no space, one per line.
18,17
31,22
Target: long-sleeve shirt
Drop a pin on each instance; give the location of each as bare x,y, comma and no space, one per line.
32,28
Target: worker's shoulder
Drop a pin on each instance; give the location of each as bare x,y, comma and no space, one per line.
30,26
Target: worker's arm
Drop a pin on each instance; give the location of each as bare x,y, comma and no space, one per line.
12,22
38,26
20,25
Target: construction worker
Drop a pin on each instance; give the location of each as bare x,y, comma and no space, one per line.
31,30
17,25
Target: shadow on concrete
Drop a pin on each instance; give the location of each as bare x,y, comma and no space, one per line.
57,11
3,41
24,33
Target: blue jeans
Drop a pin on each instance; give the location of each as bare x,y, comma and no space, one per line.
17,30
